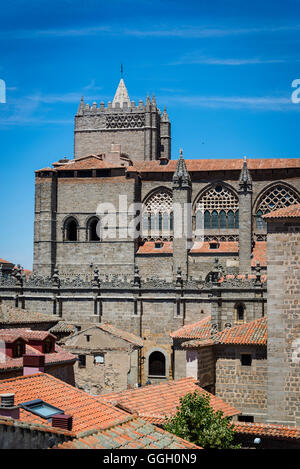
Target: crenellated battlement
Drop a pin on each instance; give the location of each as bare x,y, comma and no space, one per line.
143,131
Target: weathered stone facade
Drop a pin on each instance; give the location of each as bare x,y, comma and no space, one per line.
284,320
106,362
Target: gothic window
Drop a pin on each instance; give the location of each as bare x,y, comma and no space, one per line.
223,219
206,219
93,229
158,214
70,229
276,197
220,206
214,220
230,219
157,364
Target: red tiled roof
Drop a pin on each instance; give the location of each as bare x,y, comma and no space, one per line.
157,401
26,333
86,162
216,165
292,211
58,356
282,432
223,246
3,261
196,330
149,248
254,332
127,336
12,315
88,412
134,434
259,254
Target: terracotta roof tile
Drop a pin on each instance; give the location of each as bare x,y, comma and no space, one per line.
216,165
86,162
293,211
12,315
223,246
58,356
134,434
157,401
127,336
3,261
254,332
88,412
259,254
149,248
196,330
282,432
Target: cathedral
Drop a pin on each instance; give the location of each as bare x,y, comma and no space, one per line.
173,251
124,149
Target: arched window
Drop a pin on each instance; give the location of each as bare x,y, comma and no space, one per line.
157,364
222,219
70,229
206,220
159,208
214,220
276,197
230,219
220,206
93,229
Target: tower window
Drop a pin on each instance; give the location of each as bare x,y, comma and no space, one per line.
240,312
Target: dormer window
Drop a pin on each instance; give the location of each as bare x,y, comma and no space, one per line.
214,245
19,349
158,245
48,348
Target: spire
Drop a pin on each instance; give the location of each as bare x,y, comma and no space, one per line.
81,106
245,180
165,117
181,177
153,100
121,95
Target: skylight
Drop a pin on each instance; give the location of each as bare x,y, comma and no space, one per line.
41,408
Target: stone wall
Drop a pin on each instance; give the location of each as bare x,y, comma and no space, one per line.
284,321
244,387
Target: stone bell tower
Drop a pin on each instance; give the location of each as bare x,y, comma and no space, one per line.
143,133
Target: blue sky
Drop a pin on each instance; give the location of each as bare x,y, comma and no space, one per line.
223,69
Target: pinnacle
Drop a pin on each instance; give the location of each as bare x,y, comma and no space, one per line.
121,95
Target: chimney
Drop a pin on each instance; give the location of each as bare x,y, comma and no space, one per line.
33,364
7,406
62,421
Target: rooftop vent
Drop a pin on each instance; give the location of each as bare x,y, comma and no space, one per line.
62,421
7,406
7,400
